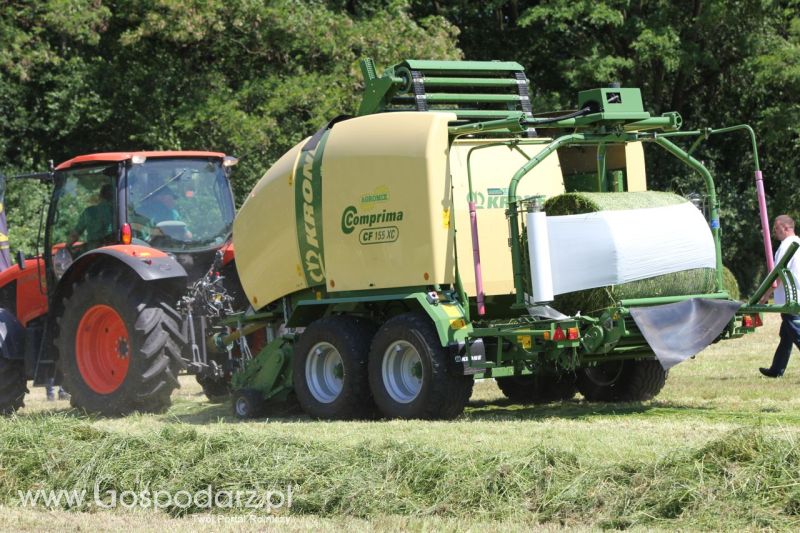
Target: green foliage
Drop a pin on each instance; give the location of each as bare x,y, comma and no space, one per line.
246,78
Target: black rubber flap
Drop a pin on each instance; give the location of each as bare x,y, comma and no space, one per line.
678,331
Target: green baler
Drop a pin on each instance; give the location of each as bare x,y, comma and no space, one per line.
385,261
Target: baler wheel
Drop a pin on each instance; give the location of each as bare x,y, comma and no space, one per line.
119,346
535,389
409,374
622,381
329,366
248,403
12,385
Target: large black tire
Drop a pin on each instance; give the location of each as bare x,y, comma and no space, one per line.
334,385
622,381
123,320
419,384
217,390
13,385
535,389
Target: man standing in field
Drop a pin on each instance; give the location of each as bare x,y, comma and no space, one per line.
783,230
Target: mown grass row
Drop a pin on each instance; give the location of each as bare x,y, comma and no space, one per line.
749,477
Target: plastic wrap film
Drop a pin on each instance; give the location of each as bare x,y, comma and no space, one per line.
615,247
539,251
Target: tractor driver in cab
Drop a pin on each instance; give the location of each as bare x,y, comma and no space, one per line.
96,221
160,206
155,214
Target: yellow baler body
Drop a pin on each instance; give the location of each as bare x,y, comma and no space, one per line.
382,203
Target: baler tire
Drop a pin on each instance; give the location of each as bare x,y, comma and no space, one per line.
13,385
350,338
217,390
442,394
538,389
248,403
148,338
645,380
635,381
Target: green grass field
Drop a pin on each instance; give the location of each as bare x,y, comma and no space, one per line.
716,450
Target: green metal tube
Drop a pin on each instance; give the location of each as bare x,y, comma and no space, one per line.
516,253
602,149
696,143
750,132
712,196
671,120
512,123
469,161
633,302
431,81
456,97
773,275
708,131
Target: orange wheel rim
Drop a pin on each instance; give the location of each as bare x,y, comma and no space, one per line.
102,349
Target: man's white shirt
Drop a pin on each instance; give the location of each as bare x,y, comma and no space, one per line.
793,266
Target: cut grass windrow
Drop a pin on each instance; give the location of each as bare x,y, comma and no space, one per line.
749,476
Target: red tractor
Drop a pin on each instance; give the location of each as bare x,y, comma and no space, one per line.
125,235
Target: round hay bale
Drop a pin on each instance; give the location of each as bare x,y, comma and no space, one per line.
730,284
590,301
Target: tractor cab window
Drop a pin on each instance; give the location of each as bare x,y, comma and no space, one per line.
83,213
179,204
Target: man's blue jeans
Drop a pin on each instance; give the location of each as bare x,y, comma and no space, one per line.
790,335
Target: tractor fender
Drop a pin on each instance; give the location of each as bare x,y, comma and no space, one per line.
12,336
148,263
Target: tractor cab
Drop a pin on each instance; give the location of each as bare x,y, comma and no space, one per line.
177,202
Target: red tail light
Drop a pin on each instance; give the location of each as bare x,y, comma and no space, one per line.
126,234
757,320
559,334
572,334
747,321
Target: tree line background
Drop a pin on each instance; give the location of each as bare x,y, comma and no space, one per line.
252,78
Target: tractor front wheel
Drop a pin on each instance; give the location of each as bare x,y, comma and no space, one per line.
118,345
12,385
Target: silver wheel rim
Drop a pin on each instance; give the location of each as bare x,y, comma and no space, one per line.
241,407
324,372
402,372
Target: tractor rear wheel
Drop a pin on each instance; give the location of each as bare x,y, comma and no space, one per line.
13,385
118,345
409,374
543,388
622,381
329,368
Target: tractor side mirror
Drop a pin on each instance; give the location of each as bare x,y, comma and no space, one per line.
21,259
